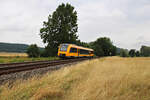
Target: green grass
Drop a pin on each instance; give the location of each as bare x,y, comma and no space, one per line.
24,59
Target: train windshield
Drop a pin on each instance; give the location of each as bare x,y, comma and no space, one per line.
63,47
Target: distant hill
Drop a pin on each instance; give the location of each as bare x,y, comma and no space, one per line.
13,47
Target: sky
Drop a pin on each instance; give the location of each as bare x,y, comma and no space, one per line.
125,22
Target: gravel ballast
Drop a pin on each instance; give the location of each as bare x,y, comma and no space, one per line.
24,75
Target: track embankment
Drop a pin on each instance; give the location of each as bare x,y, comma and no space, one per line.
17,67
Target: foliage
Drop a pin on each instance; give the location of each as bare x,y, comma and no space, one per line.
113,50
84,44
61,27
137,53
132,53
46,52
124,53
145,51
33,51
103,47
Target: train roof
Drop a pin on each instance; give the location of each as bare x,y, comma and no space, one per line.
73,45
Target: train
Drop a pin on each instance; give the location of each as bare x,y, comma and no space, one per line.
73,51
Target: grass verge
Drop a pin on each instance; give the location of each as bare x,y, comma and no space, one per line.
24,59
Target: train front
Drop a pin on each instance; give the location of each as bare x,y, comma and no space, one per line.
62,51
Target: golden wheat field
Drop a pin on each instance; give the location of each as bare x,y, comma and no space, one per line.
6,54
111,78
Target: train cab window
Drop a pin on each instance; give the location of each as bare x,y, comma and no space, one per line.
73,50
63,47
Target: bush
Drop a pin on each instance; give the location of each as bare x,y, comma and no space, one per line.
145,51
33,51
132,53
104,47
124,53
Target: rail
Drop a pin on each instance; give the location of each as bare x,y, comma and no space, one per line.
24,66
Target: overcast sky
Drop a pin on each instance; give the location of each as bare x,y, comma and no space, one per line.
126,22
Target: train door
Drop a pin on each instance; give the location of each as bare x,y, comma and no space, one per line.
78,52
73,52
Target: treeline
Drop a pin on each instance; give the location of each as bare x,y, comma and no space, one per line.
143,52
12,47
102,47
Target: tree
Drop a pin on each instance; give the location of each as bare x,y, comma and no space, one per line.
132,53
124,53
145,51
104,47
137,53
98,50
61,27
44,53
80,43
33,51
113,50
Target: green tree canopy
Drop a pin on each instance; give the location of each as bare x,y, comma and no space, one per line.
104,47
132,53
33,51
145,51
61,27
137,53
124,53
84,44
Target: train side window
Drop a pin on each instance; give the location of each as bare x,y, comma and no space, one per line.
73,50
91,52
84,51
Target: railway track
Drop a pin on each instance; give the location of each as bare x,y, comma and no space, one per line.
18,67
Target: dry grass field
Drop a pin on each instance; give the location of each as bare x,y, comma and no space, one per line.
111,78
6,54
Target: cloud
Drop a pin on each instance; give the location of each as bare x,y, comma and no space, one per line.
118,20
21,20
124,21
